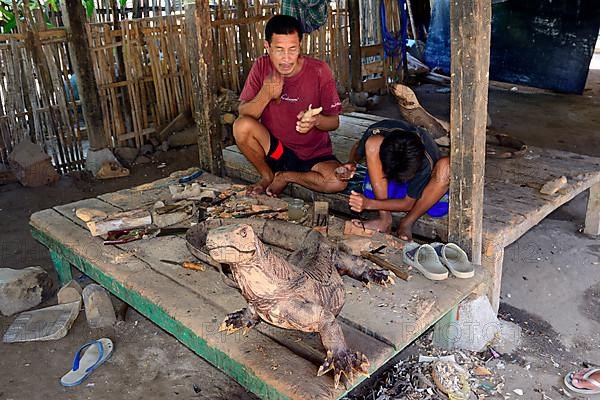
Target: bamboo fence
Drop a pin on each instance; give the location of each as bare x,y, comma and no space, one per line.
37,98
142,74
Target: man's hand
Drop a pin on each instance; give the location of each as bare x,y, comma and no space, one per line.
273,85
307,119
358,202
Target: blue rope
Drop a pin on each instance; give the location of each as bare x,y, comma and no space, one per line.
394,45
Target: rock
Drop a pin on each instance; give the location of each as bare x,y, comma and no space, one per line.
373,102
359,98
186,137
99,310
508,338
142,160
228,118
473,329
127,155
97,158
49,323
154,141
22,289
69,293
31,165
110,170
164,146
146,149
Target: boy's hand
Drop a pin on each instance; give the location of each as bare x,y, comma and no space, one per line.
307,119
358,202
273,85
345,172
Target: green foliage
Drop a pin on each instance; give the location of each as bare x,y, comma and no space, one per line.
8,21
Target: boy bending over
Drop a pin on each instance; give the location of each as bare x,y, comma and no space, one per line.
406,172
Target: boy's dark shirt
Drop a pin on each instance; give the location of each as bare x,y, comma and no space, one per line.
417,184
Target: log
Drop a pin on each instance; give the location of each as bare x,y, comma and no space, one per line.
415,114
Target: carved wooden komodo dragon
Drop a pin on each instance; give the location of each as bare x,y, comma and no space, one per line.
305,292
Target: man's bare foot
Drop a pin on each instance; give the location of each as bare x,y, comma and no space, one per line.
277,185
259,187
405,230
377,225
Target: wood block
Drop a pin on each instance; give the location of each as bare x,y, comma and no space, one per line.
553,186
320,213
356,245
123,220
351,229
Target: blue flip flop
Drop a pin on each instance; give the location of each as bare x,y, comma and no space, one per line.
89,357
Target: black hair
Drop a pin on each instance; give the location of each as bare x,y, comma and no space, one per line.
401,154
283,25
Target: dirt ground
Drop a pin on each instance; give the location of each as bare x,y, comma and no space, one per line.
551,277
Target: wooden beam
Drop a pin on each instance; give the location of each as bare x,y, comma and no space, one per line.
470,22
74,19
244,46
206,113
355,56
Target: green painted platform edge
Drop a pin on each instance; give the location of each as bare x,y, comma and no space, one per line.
160,317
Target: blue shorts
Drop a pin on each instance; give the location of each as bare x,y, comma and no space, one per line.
397,190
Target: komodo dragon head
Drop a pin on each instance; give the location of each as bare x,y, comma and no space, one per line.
232,243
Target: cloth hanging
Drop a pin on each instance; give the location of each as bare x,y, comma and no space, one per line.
312,14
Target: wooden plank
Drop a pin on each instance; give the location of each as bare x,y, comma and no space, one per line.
398,314
373,85
592,213
470,23
371,51
371,68
256,362
133,271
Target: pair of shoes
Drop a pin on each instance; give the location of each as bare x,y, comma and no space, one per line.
89,357
436,259
586,377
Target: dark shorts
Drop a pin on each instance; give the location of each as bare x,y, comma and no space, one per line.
280,158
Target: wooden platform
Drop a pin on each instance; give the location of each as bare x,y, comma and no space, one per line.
270,362
512,201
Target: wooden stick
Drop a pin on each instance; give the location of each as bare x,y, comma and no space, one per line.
400,272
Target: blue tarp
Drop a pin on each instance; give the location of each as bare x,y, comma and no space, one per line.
542,43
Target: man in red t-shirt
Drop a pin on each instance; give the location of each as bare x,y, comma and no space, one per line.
283,143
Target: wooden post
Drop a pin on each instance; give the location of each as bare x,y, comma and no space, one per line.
75,20
470,22
206,113
592,214
356,65
246,58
